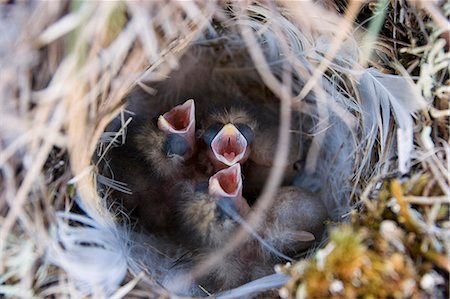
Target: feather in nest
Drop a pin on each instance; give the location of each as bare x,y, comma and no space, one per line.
382,96
91,249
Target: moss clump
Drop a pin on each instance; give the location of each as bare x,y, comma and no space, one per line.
348,268
386,252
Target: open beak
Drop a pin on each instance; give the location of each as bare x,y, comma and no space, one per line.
229,146
227,183
180,120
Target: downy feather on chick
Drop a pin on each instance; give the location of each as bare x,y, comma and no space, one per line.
203,221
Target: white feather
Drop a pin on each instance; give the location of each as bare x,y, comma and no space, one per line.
93,253
391,93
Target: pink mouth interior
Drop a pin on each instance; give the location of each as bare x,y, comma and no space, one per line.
178,118
228,181
229,147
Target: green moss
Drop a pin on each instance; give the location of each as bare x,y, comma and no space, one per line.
381,254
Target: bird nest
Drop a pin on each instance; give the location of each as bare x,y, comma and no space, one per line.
360,90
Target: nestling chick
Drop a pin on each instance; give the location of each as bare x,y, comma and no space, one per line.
154,156
293,225
211,213
201,208
172,143
246,134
